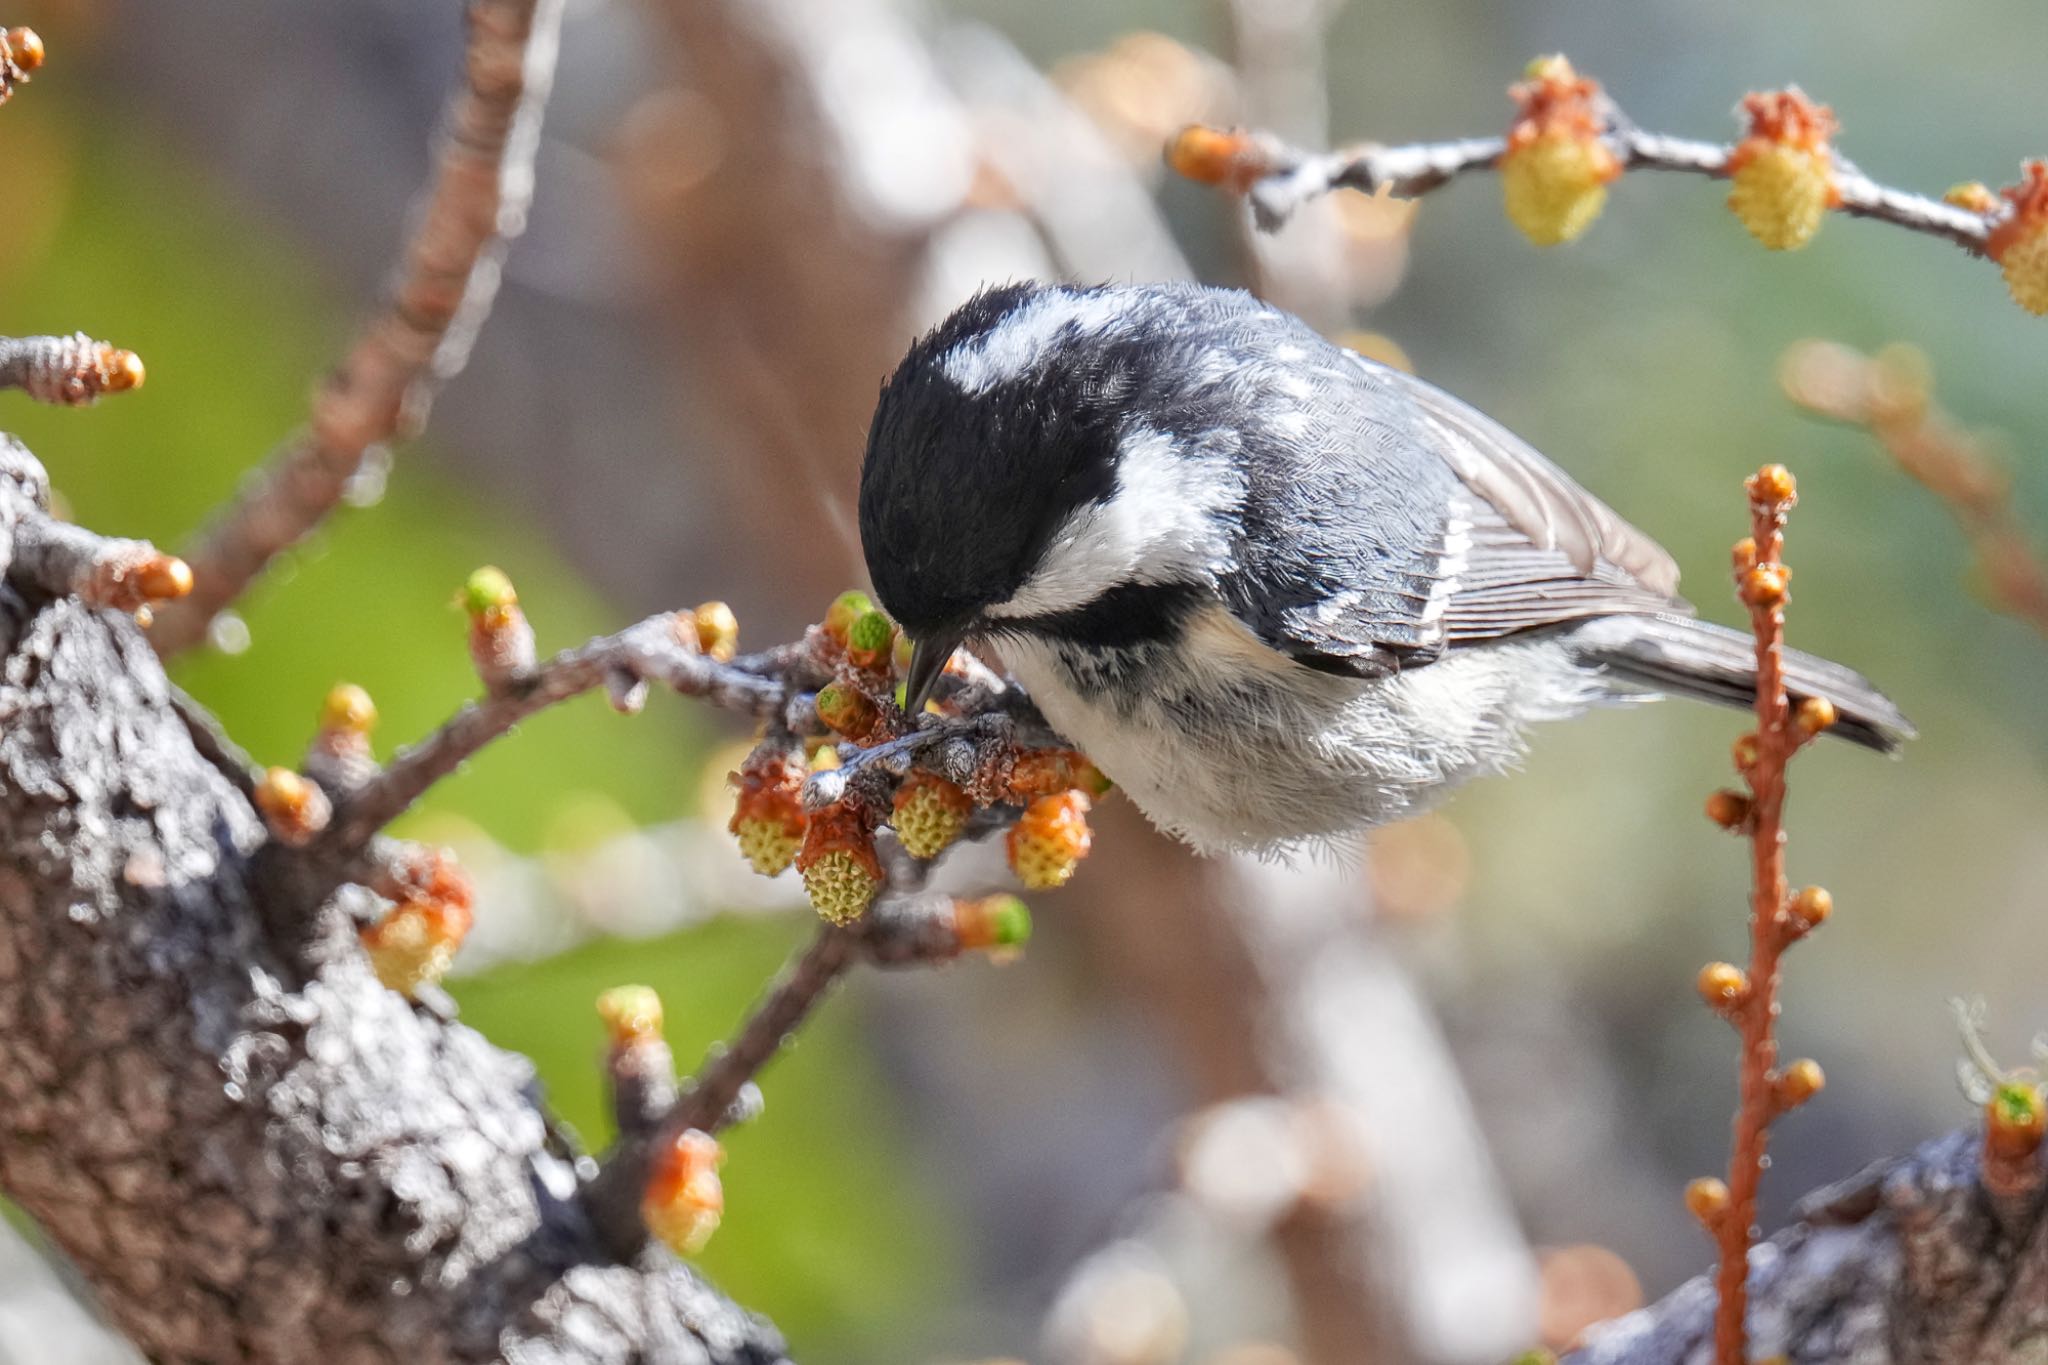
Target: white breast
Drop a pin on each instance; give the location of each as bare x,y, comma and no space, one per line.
1229,745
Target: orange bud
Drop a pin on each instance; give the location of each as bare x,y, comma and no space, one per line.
1707,1199
24,47
1050,839
294,808
1743,555
1728,809
124,371
416,942
992,922
1211,156
1045,772
768,817
1745,752
1773,485
1810,908
2014,1121
1723,985
684,1200
1766,586
1798,1083
164,578
2019,243
1814,715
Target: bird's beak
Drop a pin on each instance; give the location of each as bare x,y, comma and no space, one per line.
928,659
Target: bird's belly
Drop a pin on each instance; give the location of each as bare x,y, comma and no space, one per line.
1229,745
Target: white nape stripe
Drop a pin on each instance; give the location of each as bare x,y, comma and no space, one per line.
1017,344
1158,525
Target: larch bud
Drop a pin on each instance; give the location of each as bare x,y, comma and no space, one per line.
349,708
847,710
1722,985
631,1014
870,640
1773,486
2014,1121
1555,171
684,1200
1707,1199
1810,908
1728,809
1797,1083
1765,585
293,807
992,922
846,608
500,640
841,873
1046,772
1814,715
2019,243
416,942
1784,170
21,51
718,631
1743,555
1745,752
929,814
1232,160
1050,839
768,817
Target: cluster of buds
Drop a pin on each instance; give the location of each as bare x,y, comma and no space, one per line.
841,873
293,806
433,907
1783,169
339,758
683,1200
1555,172
500,640
768,818
21,52
2019,243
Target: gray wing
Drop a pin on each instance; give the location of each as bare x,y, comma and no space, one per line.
1389,522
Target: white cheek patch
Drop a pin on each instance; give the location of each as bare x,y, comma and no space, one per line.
1159,525
1017,344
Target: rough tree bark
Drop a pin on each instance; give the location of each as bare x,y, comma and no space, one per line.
251,1149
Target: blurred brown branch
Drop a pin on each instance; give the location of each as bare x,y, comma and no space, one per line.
450,270
1891,395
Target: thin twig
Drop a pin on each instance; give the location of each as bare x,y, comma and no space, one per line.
1890,395
477,204
651,650
1282,177
1756,1019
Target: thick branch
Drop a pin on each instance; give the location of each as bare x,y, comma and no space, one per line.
243,1156
476,205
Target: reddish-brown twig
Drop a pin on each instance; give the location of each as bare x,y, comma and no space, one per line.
1891,395
381,391
1749,999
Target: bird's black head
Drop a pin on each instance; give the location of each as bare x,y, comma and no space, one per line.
1036,464
998,424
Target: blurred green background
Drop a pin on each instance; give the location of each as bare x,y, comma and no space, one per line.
1642,358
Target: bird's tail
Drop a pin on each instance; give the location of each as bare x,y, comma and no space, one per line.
1692,658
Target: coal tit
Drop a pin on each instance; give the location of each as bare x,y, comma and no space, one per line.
1278,592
